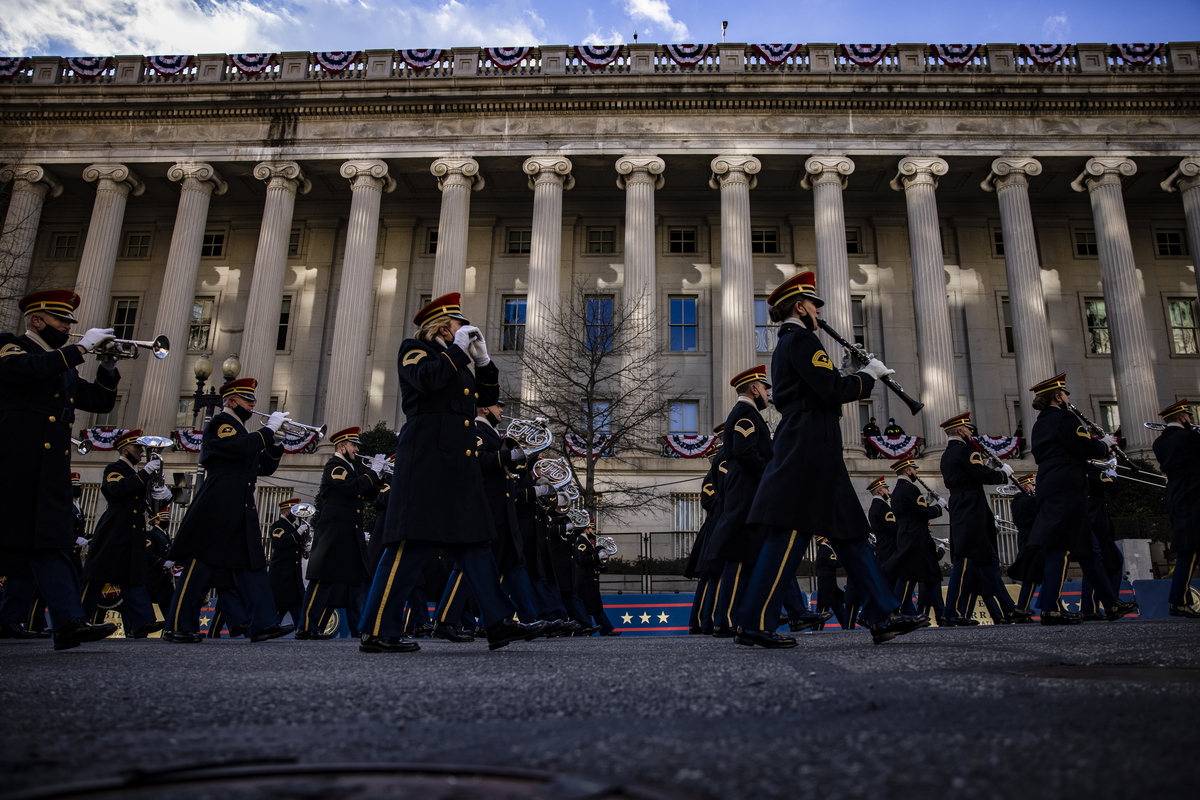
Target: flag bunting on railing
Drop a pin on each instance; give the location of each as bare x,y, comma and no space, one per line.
168,65
955,55
690,445
335,62
295,442
508,57
578,444
1137,54
686,55
88,67
103,438
188,440
1045,54
597,56
775,54
9,67
421,59
865,55
251,63
1000,446
894,447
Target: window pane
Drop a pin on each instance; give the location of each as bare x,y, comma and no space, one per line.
683,324
684,415
1085,243
764,240
997,242
1170,243
431,242
65,245
513,335
860,320
183,413
294,243
1182,314
285,316
599,317
601,240
764,331
1097,322
852,241
137,245
111,419
124,317
213,245
519,240
198,332
681,240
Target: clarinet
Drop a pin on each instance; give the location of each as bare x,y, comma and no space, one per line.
937,498
996,464
859,354
1096,430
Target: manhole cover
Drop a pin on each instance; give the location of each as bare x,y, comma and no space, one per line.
1116,672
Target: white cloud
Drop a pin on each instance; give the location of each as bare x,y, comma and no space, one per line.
657,13
599,37
1056,29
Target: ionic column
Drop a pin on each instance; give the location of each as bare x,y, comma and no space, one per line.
826,176
284,180
351,333
457,178
114,183
30,185
734,176
1186,180
917,178
1132,355
1009,179
549,176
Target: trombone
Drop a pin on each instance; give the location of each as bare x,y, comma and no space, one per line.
160,346
1112,464
291,426
82,446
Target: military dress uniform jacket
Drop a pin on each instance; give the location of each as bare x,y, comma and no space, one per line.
1100,486
587,574
747,453
1030,562
221,528
883,526
1062,446
39,392
339,550
827,567
287,552
437,486
159,582
375,543
498,484
711,503
916,557
972,523
117,553
806,486
1178,454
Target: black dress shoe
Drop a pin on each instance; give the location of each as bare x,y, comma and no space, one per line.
1060,618
378,644
1020,616
1092,617
506,632
240,630
273,632
15,632
442,630
611,633
724,633
569,627
1120,610
78,631
961,622
807,621
897,625
182,637
768,639
590,630
147,629
422,631
1187,612
302,635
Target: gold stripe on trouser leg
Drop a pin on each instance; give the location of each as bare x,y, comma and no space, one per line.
762,617
312,598
218,622
1191,570
716,596
450,601
703,602
183,592
387,590
737,577
958,593
407,616
32,614
1062,578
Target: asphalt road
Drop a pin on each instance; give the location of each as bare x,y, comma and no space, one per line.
1099,710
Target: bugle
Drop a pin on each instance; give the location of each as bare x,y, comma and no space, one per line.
291,426
860,354
82,446
159,346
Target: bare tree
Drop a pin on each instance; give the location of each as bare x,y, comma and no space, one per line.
18,233
597,376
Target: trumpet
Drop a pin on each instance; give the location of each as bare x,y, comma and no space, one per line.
532,436
1113,465
387,470
860,354
291,426
82,446
160,346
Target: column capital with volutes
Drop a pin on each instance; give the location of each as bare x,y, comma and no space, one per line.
32,173
457,170
198,171
1011,170
549,168
118,174
916,170
635,168
822,169
734,169
1186,176
372,171
279,172
1103,171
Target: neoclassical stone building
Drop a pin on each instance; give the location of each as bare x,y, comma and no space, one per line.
979,226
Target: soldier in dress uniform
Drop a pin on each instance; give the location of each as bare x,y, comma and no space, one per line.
289,540
337,565
590,561
437,496
1030,562
883,522
830,596
1102,482
1062,446
40,389
705,582
160,580
915,560
1178,454
221,529
806,489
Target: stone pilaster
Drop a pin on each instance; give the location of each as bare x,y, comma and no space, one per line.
284,180
457,178
351,333
1132,355
1186,180
160,392
30,185
549,176
917,178
1009,179
734,176
114,184
826,176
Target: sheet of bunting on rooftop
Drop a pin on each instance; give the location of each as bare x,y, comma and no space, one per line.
686,55
578,444
1137,53
955,55
335,62
251,63
598,56
508,57
776,54
168,65
88,67
1045,54
421,59
865,55
894,447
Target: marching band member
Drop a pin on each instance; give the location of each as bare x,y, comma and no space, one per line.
160,580
288,542
589,563
1178,454
915,560
710,502
830,596
1101,484
1030,563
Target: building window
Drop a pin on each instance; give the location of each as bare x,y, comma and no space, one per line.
65,245
273,405
601,413
997,242
1110,416
601,240
765,331
431,237
853,241
213,245
858,316
684,417
764,240
866,410
110,420
520,240
1170,243
681,240
137,245
512,334
599,321
285,316
688,515
1006,316
183,413
1181,312
1085,243
1097,326
293,244
124,316
201,325
683,324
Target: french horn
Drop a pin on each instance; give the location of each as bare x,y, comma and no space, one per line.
579,517
555,470
531,435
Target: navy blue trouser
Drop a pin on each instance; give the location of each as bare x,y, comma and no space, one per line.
191,590
929,596
730,592
1056,574
136,609
795,604
708,604
549,600
230,611
55,578
293,611
698,601
317,605
416,612
1185,567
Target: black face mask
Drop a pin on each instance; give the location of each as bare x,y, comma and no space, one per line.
761,403
243,414
491,418
53,337
77,492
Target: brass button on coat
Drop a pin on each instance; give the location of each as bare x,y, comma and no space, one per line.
54,419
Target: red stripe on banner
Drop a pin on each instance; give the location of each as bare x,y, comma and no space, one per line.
634,630
651,605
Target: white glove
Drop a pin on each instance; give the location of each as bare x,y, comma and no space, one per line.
1109,440
462,337
168,565
941,501
276,420
80,541
377,463
1007,469
1110,473
563,501
479,351
542,482
152,465
876,369
570,526
516,456
302,529
94,337
541,490
161,493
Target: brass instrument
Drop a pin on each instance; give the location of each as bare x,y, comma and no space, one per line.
579,517
555,470
1113,465
83,447
608,548
995,464
160,346
860,354
291,426
1096,430
532,436
1155,426
154,446
1010,490
387,468
303,510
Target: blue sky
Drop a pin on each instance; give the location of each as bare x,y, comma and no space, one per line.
150,27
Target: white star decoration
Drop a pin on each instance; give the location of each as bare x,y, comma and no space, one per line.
627,618
663,617
645,617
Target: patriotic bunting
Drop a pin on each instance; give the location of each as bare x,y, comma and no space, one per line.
88,67
689,446
335,62
104,438
686,55
9,67
775,54
865,55
188,440
578,444
597,56
251,63
1137,54
508,57
1000,446
420,59
169,65
295,442
955,55
1045,54
894,447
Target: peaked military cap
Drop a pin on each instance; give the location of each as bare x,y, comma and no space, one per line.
875,484
448,305
1026,480
803,285
719,429
242,387
751,375
907,461
128,437
1056,384
59,302
161,517
286,505
346,435
76,479
957,420
1175,408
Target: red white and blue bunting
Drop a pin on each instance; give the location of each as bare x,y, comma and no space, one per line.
601,442
776,54
508,57
1045,54
188,440
894,447
690,446
1000,446
251,63
104,438
955,55
294,443
1137,54
88,67
335,62
865,55
168,65
421,59
598,56
686,55
9,67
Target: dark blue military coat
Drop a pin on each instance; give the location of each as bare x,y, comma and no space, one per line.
972,523
1062,446
747,453
287,551
1100,487
159,581
339,550
375,543
711,503
915,558
117,553
1030,562
883,526
1178,454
